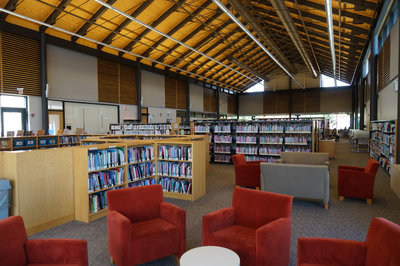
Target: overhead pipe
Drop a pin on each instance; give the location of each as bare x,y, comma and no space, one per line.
112,47
248,68
226,11
329,22
287,21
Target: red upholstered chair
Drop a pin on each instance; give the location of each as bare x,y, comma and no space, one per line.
247,174
142,227
357,182
17,250
256,227
381,248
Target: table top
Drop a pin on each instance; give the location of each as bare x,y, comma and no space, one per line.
210,256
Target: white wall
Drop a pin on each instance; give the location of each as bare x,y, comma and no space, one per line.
223,103
153,89
34,113
71,75
127,112
387,102
367,114
251,104
160,115
196,98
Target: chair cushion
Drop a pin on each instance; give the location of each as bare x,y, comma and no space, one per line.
154,239
240,239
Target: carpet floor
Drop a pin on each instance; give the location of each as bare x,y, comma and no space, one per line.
346,220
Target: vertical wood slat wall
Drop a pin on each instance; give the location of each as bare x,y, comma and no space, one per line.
116,82
232,104
209,100
19,64
302,102
175,93
384,65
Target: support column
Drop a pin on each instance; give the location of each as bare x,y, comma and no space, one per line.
356,107
217,102
397,151
373,69
187,102
139,89
43,81
237,105
362,100
290,98
352,108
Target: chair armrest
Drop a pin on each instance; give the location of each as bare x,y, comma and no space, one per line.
217,220
273,242
176,216
330,251
57,251
354,168
119,230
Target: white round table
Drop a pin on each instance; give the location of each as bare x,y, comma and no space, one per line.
210,256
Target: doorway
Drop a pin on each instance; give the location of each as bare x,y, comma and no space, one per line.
13,119
56,122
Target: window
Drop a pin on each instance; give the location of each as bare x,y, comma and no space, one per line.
257,87
330,82
13,101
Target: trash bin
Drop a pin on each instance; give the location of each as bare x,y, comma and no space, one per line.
4,197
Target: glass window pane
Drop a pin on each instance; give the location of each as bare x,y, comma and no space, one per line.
55,105
12,121
13,101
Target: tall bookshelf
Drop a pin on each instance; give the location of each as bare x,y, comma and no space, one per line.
382,144
262,140
179,166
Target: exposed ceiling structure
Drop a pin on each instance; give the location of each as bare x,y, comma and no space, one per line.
196,38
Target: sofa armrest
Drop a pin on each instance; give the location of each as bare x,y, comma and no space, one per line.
57,251
119,230
273,242
354,168
217,220
330,251
279,161
176,216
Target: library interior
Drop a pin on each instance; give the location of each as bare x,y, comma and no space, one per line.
199,132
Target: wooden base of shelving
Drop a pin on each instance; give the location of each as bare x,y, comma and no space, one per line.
326,206
42,227
182,196
369,201
97,215
341,198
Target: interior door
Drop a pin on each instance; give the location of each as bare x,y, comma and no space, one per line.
13,119
56,121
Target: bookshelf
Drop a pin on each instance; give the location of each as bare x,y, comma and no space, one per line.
261,140
382,144
40,142
141,129
177,164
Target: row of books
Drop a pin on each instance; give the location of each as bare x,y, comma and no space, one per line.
144,182
222,148
387,126
223,138
202,128
296,140
176,185
271,139
247,149
173,152
222,128
270,150
247,139
68,140
141,170
177,169
105,179
247,128
146,127
272,127
298,127
98,201
140,154
298,149
100,159
261,158
222,158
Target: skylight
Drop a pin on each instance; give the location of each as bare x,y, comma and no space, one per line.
256,88
330,82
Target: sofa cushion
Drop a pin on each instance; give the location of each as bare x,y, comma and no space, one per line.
305,158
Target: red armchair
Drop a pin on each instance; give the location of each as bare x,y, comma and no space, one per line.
142,227
247,174
357,182
381,248
257,227
17,250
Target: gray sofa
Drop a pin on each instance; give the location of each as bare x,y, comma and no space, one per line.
299,180
310,158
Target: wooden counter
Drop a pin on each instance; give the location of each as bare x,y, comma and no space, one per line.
327,146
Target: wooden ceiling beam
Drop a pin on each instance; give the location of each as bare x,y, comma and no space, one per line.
154,24
177,27
84,28
120,27
52,18
11,5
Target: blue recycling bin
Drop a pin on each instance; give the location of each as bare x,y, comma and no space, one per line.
4,197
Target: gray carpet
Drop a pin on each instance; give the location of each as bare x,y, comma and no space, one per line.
348,220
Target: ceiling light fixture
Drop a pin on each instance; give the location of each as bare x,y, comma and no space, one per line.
110,46
226,11
329,22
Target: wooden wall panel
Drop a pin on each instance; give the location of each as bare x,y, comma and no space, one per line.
181,95
232,105
128,86
313,101
282,102
206,100
269,103
298,101
20,64
170,92
108,81
384,65
213,101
